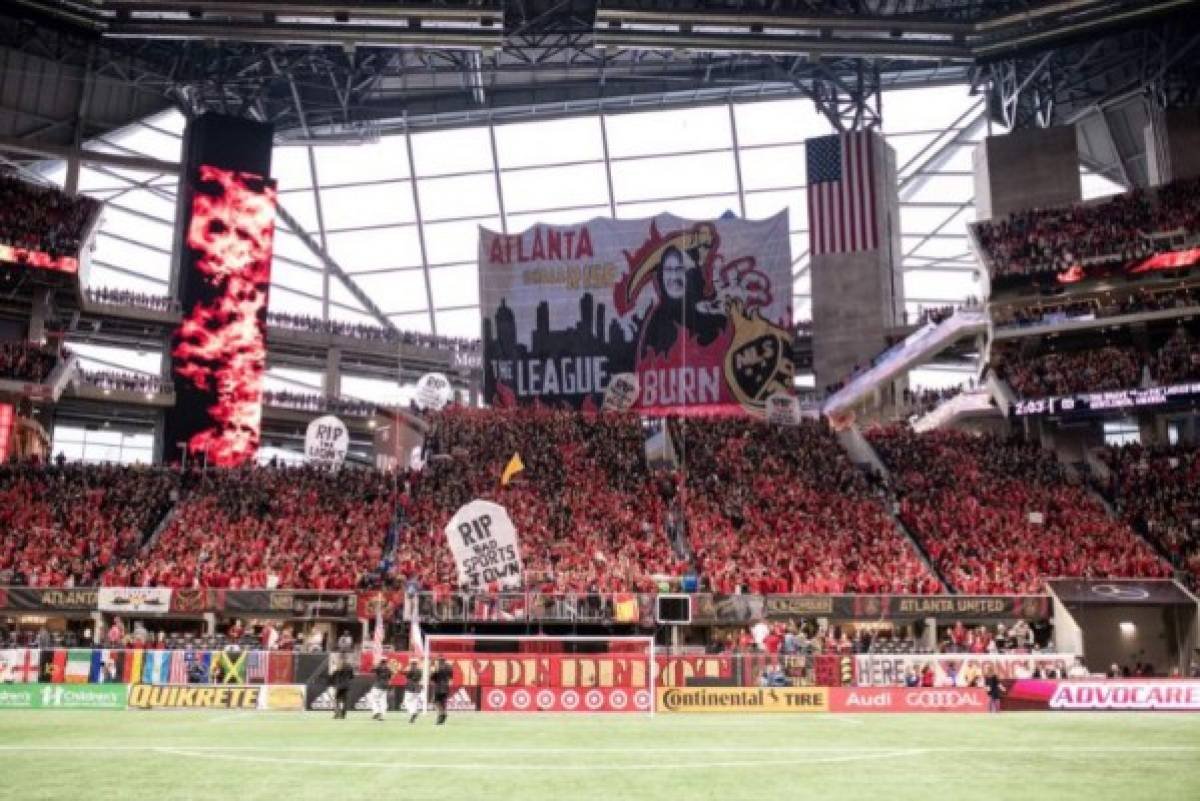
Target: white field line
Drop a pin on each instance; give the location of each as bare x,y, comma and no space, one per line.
540,767
1065,749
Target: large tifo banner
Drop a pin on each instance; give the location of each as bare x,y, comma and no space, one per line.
484,543
698,313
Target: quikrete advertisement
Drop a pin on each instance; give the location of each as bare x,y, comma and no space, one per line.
743,699
171,696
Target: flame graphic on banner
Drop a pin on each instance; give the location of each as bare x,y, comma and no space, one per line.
221,346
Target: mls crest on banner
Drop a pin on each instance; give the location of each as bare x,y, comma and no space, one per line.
694,316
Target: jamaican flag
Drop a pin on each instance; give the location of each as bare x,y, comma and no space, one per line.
232,667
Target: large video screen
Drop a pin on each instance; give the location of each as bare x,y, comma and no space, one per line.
699,313
219,349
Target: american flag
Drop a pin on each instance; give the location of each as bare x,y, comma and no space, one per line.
256,667
841,193
178,671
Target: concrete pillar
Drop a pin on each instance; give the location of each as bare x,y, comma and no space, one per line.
1173,145
1026,169
333,373
71,185
38,309
858,296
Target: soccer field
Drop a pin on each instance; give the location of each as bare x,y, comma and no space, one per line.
299,756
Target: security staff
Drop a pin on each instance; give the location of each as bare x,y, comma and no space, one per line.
379,692
440,678
412,690
340,680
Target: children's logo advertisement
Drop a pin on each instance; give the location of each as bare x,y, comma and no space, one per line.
695,315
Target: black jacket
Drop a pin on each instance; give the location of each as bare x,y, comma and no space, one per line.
383,676
441,677
413,678
341,678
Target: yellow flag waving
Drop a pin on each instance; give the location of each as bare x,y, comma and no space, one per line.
514,466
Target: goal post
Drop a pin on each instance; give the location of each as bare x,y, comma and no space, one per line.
580,697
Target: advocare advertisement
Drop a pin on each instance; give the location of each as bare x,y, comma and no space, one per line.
485,546
326,441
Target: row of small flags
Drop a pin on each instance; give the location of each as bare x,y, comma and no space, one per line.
98,666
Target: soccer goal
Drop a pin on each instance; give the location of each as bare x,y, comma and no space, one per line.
567,673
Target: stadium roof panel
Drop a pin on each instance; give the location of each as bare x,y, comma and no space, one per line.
540,58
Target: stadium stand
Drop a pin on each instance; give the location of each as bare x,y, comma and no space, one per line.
1109,304
268,527
124,381
127,297
26,361
313,402
1124,227
303,322
773,510
43,219
1109,361
1000,515
1157,490
63,526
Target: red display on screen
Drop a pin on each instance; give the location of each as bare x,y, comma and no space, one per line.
220,350
7,420
36,258
1174,260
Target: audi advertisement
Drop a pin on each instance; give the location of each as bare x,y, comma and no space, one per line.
908,699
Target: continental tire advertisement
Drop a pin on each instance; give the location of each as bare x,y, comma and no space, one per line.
743,699
174,696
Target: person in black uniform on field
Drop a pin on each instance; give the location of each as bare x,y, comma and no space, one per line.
412,690
440,678
995,690
340,680
379,692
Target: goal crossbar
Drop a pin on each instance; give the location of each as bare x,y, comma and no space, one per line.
428,639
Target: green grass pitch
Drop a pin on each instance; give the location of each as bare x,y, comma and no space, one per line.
220,756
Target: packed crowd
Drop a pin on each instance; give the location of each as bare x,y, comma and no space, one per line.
916,403
42,218
1103,369
939,314
126,382
998,516
1172,358
25,361
774,510
64,526
268,527
304,322
313,402
1109,305
588,511
745,508
1158,491
1119,229
126,297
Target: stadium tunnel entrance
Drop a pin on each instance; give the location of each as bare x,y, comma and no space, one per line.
1126,621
